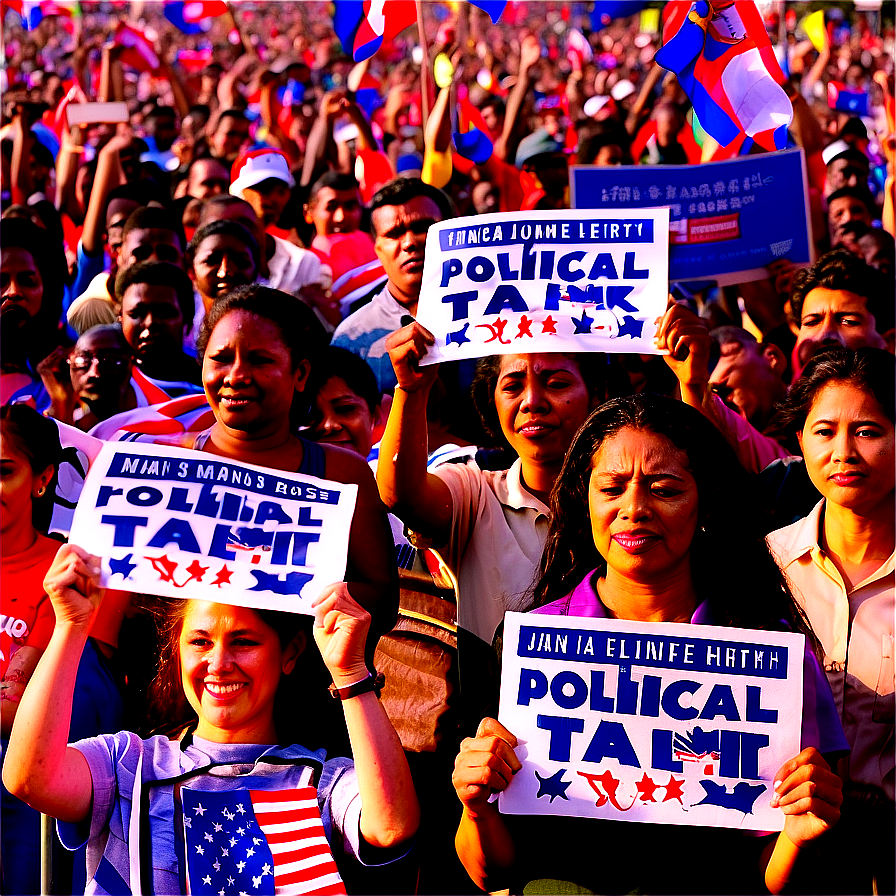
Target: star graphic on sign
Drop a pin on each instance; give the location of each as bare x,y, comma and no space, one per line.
458,337
554,786
218,827
200,809
256,841
196,571
123,567
216,865
241,831
646,788
240,809
230,881
524,327
250,852
549,325
222,576
256,882
224,851
229,815
606,792
631,327
165,567
266,869
199,849
207,879
240,866
583,324
497,331
674,790
209,837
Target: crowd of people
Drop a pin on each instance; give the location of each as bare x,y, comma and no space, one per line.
225,254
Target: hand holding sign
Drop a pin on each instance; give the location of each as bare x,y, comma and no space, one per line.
72,584
686,339
340,630
406,348
485,765
809,795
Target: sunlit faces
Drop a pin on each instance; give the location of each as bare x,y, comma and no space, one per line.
843,210
342,417
231,661
643,504
248,374
18,486
221,263
268,199
334,211
152,320
101,368
207,178
749,377
400,243
152,244
541,400
848,445
20,280
835,316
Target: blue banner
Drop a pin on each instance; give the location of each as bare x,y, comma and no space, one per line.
728,220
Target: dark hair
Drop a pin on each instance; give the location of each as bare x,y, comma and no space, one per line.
873,370
755,596
599,137
404,189
840,269
229,113
223,199
592,366
333,180
225,228
352,368
150,217
159,273
853,154
40,333
862,193
169,707
37,439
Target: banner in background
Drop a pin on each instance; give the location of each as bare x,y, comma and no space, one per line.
662,722
183,523
563,281
728,220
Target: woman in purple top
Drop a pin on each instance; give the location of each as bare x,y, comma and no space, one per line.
649,523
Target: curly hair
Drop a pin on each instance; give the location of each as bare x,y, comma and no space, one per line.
745,589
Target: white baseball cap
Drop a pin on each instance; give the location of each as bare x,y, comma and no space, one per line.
251,168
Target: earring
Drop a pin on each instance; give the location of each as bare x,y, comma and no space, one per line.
41,491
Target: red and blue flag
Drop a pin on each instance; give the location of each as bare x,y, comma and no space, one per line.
194,16
848,99
724,61
494,8
363,26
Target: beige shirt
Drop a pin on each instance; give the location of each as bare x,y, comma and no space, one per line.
856,630
498,531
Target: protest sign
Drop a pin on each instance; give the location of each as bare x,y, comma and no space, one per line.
182,523
728,219
663,722
562,281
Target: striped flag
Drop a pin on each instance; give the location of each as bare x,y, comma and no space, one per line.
256,841
363,26
138,51
189,413
726,64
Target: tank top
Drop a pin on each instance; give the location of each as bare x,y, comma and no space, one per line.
314,462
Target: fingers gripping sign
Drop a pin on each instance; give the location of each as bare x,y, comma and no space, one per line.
809,794
685,339
485,765
407,347
340,630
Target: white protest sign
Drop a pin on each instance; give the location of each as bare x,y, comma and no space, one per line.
564,281
182,523
663,722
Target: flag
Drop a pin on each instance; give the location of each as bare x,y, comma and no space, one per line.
816,30
604,11
363,26
724,61
194,16
138,52
847,99
256,841
494,8
189,413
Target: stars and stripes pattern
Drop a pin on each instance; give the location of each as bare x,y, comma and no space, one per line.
257,842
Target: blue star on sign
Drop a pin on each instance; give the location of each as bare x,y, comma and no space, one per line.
123,566
553,786
582,325
459,336
631,327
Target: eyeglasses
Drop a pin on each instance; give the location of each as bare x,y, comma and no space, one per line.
109,361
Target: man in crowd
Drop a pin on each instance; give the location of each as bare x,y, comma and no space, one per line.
401,213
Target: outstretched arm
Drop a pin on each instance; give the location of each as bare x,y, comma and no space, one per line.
39,767
390,812
417,497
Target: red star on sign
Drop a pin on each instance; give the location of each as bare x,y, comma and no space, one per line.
646,788
674,790
222,577
549,325
196,571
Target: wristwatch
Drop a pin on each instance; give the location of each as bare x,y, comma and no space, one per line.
373,682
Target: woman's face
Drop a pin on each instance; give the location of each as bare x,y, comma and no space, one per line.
20,281
248,375
643,504
847,442
342,417
541,401
19,485
231,661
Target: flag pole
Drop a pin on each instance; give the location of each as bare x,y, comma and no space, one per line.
425,67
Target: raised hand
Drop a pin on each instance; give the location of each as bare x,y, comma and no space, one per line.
485,765
72,584
406,348
809,794
340,630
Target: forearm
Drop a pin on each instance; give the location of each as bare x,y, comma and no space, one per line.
35,767
390,811
781,858
109,175
485,847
